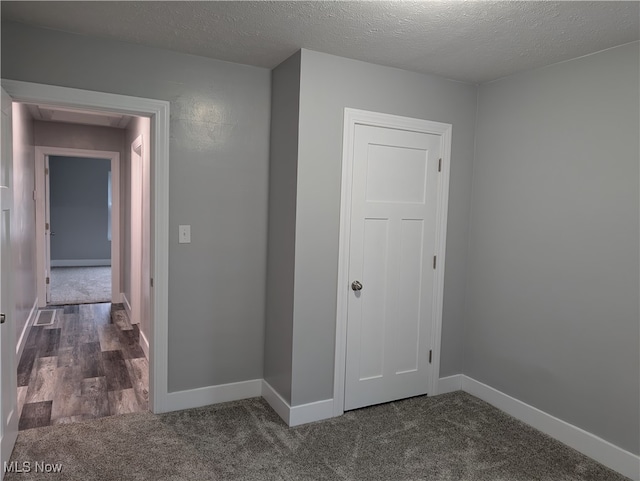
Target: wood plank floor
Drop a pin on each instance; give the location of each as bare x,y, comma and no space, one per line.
87,364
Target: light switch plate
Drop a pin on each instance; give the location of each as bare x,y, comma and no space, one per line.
184,234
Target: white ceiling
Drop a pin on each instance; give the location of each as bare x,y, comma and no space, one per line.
473,41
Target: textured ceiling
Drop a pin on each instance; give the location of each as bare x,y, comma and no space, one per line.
473,41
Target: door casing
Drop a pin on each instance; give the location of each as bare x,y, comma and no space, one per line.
42,202
158,111
353,117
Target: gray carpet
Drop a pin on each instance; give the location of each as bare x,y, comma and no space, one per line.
449,437
80,285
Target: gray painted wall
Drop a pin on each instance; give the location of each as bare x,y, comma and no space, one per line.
283,165
24,221
328,85
552,298
78,209
218,179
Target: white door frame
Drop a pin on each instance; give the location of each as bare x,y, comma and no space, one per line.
158,111
353,117
41,201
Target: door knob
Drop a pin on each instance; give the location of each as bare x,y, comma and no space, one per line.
2,318
356,286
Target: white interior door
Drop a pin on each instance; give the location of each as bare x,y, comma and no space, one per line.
391,264
145,284
47,231
8,385
136,229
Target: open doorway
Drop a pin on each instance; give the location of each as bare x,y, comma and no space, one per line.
84,356
158,113
79,194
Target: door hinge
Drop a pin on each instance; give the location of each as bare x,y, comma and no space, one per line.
434,262
439,165
46,226
430,355
47,280
46,171
151,281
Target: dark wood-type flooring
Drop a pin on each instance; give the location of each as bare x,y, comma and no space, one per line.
87,364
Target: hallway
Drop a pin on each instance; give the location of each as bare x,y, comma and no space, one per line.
87,364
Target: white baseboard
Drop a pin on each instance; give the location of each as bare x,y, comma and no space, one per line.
277,402
204,396
22,341
127,306
80,262
612,456
311,412
296,415
144,344
450,384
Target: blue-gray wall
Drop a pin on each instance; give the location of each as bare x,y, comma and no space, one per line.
552,300
78,209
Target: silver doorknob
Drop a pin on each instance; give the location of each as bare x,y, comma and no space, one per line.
356,286
2,318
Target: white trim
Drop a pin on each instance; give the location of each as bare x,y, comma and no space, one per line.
311,412
22,341
158,111
143,341
41,152
353,117
144,344
296,415
81,263
450,384
127,305
277,402
612,456
221,393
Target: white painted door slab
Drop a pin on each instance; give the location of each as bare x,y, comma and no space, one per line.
8,384
391,254
137,225
47,230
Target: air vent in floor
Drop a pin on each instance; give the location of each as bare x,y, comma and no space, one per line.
46,317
